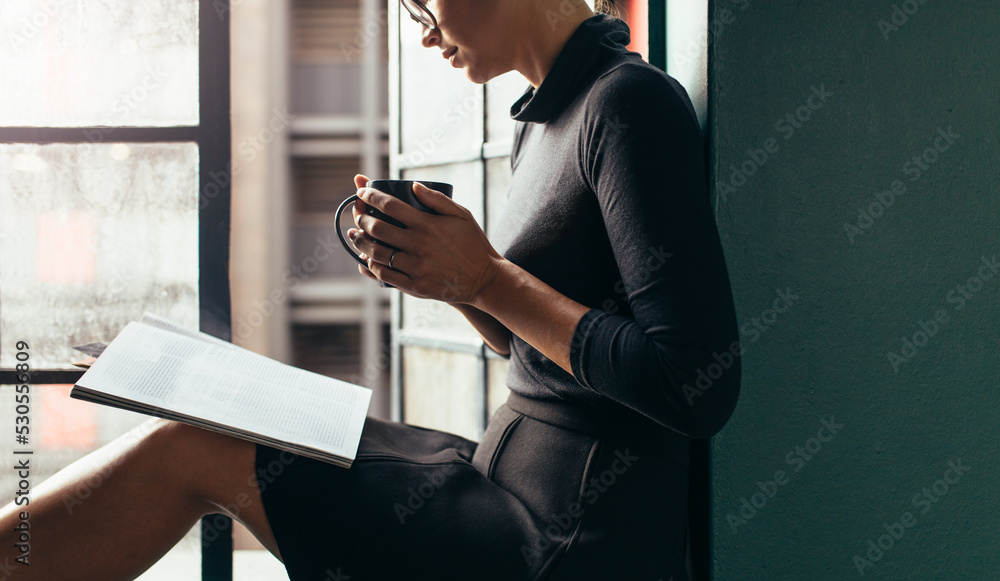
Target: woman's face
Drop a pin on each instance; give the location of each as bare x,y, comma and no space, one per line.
473,31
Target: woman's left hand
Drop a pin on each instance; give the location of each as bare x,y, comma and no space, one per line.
444,256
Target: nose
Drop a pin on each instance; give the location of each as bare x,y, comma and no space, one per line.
430,36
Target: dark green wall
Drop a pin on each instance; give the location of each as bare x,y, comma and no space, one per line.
826,355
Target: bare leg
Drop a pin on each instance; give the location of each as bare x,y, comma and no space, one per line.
115,512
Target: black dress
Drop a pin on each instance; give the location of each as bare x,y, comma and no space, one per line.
578,476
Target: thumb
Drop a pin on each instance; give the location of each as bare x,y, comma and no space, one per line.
435,200
360,181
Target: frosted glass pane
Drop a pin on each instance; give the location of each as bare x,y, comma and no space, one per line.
497,187
497,390
437,318
441,109
441,391
99,63
90,237
431,315
501,92
687,50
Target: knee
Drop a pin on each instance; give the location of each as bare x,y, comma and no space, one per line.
174,443
205,462
221,466
192,446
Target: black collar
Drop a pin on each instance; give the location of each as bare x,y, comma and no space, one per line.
596,40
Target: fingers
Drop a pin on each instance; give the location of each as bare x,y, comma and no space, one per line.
436,200
359,209
367,273
378,271
366,244
391,206
382,231
369,247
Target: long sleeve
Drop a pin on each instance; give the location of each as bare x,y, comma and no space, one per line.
675,357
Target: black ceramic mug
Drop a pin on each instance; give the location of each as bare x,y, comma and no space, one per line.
399,189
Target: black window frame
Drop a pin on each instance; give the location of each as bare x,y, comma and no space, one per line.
214,140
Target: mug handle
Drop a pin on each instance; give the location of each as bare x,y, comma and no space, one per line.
340,210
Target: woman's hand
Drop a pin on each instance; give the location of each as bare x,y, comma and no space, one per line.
445,257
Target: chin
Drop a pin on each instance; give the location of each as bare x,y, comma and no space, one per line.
477,79
476,75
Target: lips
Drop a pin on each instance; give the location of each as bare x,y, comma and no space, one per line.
448,53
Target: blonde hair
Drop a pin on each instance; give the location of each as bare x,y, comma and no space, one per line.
606,7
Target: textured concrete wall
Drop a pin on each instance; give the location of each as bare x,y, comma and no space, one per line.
854,157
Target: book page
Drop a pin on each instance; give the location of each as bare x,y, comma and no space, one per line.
230,385
150,318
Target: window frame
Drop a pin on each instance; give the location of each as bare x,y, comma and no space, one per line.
213,138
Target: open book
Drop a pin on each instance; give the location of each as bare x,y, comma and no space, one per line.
160,368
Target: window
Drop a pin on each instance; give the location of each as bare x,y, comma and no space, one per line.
114,200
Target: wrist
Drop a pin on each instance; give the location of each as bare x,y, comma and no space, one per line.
494,289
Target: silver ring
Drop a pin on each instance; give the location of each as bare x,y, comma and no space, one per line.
391,256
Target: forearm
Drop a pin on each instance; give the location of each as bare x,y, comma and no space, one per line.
532,310
496,336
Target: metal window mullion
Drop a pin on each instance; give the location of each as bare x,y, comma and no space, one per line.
41,376
656,17
396,411
97,134
214,192
483,391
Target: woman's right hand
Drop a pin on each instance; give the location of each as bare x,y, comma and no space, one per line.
494,334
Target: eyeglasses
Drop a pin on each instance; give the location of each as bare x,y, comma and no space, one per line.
420,13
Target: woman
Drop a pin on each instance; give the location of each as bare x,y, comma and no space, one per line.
606,287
